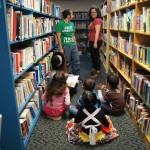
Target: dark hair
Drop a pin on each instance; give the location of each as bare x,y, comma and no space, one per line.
113,80
89,84
57,86
97,10
65,13
89,99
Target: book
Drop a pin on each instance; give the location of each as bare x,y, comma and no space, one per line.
72,80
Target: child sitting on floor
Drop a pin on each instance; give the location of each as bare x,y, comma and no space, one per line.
112,99
56,97
90,124
88,85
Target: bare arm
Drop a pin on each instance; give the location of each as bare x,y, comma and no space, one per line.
74,38
59,42
97,29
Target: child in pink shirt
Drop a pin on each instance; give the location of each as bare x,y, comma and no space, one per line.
56,97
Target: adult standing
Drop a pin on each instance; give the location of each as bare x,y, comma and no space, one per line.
95,38
65,32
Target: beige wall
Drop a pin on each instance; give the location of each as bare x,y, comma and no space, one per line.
77,5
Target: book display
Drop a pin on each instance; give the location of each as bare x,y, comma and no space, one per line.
127,54
27,40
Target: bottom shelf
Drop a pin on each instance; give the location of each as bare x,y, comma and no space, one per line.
146,138
26,140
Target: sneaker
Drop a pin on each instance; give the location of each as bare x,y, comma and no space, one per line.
55,118
98,73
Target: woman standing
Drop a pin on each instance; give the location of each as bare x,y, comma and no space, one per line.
95,38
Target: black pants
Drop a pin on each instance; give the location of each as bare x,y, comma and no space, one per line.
95,54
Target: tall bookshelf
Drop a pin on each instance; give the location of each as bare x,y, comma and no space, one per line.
11,135
81,22
128,56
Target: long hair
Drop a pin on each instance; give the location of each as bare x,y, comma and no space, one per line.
97,10
56,87
89,99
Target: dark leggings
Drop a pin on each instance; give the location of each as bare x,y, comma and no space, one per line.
95,54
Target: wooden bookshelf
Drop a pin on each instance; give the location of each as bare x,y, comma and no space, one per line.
135,38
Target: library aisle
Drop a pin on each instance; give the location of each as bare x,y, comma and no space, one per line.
50,134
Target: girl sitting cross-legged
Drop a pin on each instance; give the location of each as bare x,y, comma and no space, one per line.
90,124
56,97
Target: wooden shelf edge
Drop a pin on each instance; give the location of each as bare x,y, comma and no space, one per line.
143,136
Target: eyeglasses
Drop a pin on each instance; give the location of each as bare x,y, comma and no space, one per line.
93,12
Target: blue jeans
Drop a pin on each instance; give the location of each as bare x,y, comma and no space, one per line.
73,110
72,59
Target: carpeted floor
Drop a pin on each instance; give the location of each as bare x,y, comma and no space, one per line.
50,135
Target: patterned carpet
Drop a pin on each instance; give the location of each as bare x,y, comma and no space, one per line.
50,135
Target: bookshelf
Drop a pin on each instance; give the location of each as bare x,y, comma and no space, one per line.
11,129
81,23
104,55
128,55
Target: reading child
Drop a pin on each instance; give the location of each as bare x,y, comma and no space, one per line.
56,97
90,124
112,99
88,85
58,63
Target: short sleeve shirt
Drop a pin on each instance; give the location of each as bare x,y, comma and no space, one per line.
67,32
92,30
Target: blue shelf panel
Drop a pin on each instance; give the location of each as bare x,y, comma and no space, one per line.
32,38
21,73
30,10
26,140
25,70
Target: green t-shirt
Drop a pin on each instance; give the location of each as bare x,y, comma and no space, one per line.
66,30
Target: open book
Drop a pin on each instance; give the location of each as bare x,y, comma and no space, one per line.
72,80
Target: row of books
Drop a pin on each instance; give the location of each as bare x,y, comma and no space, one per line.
142,54
23,25
44,6
125,65
103,47
126,45
104,22
141,113
104,36
141,83
104,10
116,4
80,25
28,114
143,20
113,57
23,57
102,58
113,40
80,15
31,79
123,21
